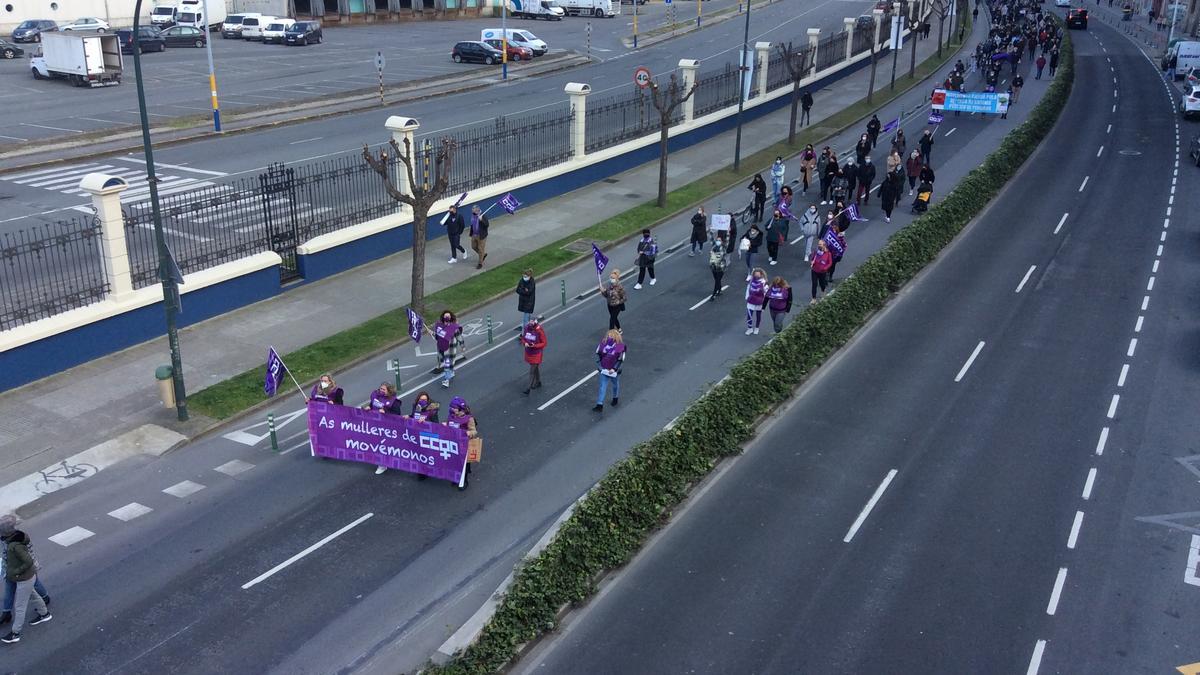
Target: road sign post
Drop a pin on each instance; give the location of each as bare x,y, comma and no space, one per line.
641,76
379,63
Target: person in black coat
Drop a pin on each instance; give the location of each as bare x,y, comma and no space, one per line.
806,104
873,128
758,186
526,296
866,176
454,229
479,233
699,231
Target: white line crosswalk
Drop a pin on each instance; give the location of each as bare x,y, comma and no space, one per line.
65,179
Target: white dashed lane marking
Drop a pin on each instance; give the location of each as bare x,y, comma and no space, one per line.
130,511
234,467
184,489
72,536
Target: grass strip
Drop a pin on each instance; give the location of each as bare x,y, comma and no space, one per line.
639,493
243,391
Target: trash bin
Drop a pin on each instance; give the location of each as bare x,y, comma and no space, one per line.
166,385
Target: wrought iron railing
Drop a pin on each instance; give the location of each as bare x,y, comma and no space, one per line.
619,118
49,269
717,90
508,147
831,50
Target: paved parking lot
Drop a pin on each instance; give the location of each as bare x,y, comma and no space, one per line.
253,74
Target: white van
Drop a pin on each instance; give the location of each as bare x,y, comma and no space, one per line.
232,26
253,26
521,38
596,8
1188,53
273,33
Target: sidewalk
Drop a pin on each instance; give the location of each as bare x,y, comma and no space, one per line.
55,418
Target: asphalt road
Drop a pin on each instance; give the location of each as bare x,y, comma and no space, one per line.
45,195
966,487
254,75
164,591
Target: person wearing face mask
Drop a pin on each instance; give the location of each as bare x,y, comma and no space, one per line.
699,231
526,295
810,227
424,408
614,294
777,171
647,251
758,187
863,148
454,230
779,301
610,356
479,234
533,338
873,128
448,335
749,245
822,260
384,400
808,164
327,391
718,260
756,299
776,234
461,417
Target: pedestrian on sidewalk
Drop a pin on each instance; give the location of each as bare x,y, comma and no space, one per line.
699,231
822,261
615,295
526,295
425,409
758,188
866,177
454,229
1017,83
448,335
10,587
810,226
479,234
806,104
808,164
327,391
873,128
610,356
384,400
779,301
533,338
926,146
776,235
1041,64
863,148
888,196
461,417
20,568
913,169
718,260
749,245
647,251
756,299
777,172
1172,64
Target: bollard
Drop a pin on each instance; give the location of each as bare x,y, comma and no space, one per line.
563,286
271,429
396,365
489,322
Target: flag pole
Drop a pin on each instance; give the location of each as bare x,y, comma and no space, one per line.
289,372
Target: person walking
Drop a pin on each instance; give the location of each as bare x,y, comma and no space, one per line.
461,417
615,295
806,104
776,235
1053,62
384,401
777,172
479,234
758,187
749,245
699,231
526,295
425,409
20,568
718,260
327,391
873,128
1040,64
894,162
448,335
862,149
899,142
913,169
822,261
866,177
779,301
756,299
810,226
1172,64
1017,83
837,246
926,175
808,164
610,356
533,338
454,229
926,146
647,251
10,522
839,187
888,196
850,173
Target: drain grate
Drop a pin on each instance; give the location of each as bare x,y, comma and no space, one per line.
610,181
579,246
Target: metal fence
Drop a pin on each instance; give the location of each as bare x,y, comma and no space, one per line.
778,74
508,147
831,50
717,90
863,36
619,118
50,269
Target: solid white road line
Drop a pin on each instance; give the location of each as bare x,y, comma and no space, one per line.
306,140
1087,486
966,366
1035,661
1132,347
295,447
274,570
1123,375
1057,592
1102,442
180,167
1112,406
14,138
1074,537
1025,278
42,126
1060,222
862,517
698,304
568,390
1084,183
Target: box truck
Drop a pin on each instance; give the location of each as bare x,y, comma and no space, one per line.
83,59
596,8
191,13
164,14
535,9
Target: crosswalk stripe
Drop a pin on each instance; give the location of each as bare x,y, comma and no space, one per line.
60,177
16,177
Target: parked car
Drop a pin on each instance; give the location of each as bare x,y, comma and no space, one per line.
149,37
515,52
86,23
1062,3
1194,152
303,33
252,26
184,36
9,51
1189,102
232,26
630,2
1191,76
31,30
273,33
480,52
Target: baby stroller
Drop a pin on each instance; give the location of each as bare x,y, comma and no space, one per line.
924,194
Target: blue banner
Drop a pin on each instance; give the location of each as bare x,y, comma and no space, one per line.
970,101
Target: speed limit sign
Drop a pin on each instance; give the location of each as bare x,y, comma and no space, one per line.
641,77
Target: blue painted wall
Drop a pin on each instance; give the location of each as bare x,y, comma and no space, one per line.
65,350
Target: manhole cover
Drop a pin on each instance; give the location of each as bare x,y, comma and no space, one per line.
579,246
1130,153
610,181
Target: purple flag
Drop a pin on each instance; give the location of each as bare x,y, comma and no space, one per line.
416,325
891,125
852,213
601,260
509,203
784,210
834,244
396,442
275,373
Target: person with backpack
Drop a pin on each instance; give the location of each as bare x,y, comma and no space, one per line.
699,231
718,260
10,587
779,301
647,251
776,235
533,338
610,356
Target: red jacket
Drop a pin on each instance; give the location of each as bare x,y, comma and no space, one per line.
822,261
534,340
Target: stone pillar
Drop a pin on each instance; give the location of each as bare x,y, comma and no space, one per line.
900,27
878,14
579,93
849,36
106,200
762,52
403,128
689,68
814,38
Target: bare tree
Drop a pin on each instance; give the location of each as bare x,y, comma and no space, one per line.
798,61
666,103
421,196
941,8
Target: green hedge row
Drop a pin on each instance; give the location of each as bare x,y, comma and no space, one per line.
639,493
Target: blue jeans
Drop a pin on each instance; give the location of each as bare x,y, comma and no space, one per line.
750,261
525,317
616,387
10,589
776,184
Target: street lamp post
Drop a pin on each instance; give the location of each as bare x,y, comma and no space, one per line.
169,286
504,39
897,35
635,14
212,72
744,70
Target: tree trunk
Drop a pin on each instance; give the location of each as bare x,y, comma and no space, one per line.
912,59
663,137
941,25
795,107
420,228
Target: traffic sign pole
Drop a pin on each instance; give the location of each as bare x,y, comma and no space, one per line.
379,61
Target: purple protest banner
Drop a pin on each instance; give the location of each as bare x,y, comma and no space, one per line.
416,326
509,203
852,213
357,435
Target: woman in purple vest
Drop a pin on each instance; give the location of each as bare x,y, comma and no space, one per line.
779,300
756,299
610,356
425,409
461,417
327,391
384,400
448,335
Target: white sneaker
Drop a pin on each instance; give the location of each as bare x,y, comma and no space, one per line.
756,330
637,287
446,383
749,331
773,262
910,193
380,469
653,281
887,219
823,202
452,260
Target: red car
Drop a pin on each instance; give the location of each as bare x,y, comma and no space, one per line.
515,53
